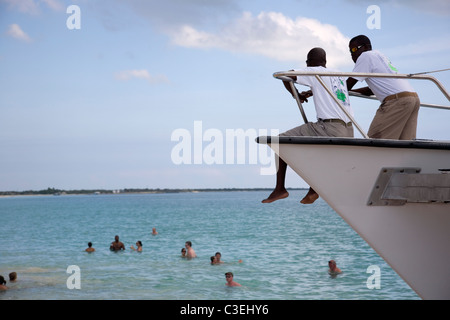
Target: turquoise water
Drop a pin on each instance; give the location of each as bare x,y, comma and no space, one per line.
284,247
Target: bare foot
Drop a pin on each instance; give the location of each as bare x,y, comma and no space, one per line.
276,195
310,198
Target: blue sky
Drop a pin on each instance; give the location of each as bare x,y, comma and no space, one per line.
97,107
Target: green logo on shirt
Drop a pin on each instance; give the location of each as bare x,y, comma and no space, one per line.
341,95
392,67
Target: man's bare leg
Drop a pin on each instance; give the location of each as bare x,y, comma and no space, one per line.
280,191
310,197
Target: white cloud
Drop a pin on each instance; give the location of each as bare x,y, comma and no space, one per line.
272,35
126,75
15,31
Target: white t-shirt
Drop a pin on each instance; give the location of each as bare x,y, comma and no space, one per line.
326,106
375,62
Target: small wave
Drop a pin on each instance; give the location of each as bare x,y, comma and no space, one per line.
34,270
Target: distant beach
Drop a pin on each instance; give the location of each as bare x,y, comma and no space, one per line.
58,192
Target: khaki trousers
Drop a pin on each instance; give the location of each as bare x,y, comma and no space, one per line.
321,129
396,119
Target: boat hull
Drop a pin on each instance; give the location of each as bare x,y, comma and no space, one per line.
413,238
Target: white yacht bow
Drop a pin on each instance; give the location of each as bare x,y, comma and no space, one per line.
394,194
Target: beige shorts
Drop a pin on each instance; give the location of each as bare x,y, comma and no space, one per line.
320,129
396,119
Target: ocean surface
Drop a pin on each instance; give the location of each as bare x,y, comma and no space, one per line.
284,247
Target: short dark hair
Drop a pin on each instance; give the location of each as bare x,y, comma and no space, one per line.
316,56
361,39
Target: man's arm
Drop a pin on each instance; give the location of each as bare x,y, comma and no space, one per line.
302,96
364,91
288,86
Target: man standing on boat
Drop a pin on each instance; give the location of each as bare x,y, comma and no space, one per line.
397,115
332,121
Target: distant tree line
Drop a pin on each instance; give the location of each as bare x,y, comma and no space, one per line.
55,191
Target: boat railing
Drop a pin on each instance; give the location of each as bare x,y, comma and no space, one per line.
286,76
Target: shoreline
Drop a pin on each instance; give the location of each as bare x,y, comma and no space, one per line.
55,192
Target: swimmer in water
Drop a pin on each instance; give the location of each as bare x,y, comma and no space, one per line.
190,252
138,245
3,284
334,270
117,245
218,256
89,248
13,277
230,281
